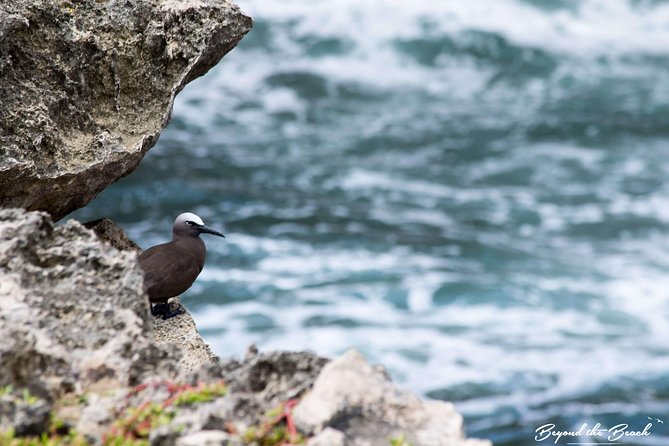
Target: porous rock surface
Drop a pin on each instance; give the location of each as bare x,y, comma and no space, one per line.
73,313
181,331
344,402
88,85
256,386
26,418
74,319
108,232
356,404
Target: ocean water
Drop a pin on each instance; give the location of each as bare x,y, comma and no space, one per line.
472,193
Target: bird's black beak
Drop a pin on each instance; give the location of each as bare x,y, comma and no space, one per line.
208,230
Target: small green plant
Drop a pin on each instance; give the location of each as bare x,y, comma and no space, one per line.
202,394
121,441
26,396
400,440
250,435
278,430
59,434
274,436
135,423
6,437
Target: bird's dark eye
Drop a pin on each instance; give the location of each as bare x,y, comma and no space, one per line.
190,223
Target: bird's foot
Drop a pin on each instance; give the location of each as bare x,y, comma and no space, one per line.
158,309
171,313
165,310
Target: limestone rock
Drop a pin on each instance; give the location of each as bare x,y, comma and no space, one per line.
255,387
359,400
94,419
88,85
328,437
205,438
109,232
180,331
24,417
73,311
274,377
258,385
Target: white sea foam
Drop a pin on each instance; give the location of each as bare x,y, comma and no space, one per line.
608,28
454,359
592,26
568,343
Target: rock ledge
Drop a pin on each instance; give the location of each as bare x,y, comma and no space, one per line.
88,85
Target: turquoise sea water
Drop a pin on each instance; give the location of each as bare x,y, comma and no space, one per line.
473,193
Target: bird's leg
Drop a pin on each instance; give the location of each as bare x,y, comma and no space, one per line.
159,309
165,311
169,313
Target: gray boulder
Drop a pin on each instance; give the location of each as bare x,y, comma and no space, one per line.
23,415
258,385
343,402
88,85
205,438
108,232
360,401
180,332
328,437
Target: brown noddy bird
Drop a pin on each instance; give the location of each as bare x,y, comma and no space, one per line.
171,268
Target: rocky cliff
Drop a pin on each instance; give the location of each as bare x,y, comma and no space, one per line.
86,88
82,360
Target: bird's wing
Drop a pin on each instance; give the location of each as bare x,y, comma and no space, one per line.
167,274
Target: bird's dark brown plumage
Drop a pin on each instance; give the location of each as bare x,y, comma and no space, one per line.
171,268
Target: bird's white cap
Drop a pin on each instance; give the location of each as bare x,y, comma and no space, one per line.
188,216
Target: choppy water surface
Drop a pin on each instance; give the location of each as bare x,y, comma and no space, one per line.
472,193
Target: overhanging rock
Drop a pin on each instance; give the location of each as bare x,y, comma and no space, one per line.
87,86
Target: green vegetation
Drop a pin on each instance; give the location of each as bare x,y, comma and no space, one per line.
28,397
273,436
58,435
201,394
137,423
134,424
278,430
400,440
25,395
